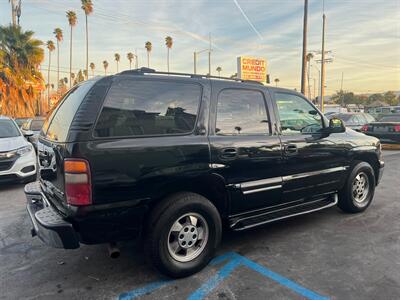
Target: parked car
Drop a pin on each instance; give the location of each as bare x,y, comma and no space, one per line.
32,128
354,121
17,157
21,121
170,159
387,129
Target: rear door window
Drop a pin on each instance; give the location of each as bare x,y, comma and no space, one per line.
241,112
56,127
143,108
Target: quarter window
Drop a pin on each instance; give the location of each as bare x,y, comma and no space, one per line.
241,112
137,108
297,115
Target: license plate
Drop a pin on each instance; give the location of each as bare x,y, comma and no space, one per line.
381,129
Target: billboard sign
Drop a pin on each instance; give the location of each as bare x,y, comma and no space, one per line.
252,68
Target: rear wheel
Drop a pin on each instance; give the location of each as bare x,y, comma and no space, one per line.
183,234
359,190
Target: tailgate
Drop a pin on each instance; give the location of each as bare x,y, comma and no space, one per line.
51,158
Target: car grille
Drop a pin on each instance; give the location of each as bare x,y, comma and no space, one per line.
6,164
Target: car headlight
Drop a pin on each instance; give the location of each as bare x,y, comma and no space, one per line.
23,150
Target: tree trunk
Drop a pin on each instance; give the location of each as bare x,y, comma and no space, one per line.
58,64
87,48
48,83
148,59
168,60
70,60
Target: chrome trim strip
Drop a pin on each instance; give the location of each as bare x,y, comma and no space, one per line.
217,166
273,187
263,209
314,173
255,183
288,216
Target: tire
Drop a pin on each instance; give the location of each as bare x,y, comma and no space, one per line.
358,200
166,240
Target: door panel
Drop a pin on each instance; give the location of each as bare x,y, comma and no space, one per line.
314,163
243,149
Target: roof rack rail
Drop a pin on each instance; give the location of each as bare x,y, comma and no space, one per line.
143,71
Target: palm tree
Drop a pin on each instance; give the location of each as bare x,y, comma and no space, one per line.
276,80
50,46
130,58
309,57
105,66
20,56
92,67
148,47
168,43
59,37
72,19
87,7
219,69
117,59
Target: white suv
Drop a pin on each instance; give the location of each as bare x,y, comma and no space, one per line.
17,156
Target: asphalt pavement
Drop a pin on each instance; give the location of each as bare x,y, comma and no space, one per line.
323,255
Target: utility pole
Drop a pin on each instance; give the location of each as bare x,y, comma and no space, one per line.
304,57
341,93
323,64
209,57
314,87
194,62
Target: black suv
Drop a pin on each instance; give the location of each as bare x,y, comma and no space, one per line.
171,158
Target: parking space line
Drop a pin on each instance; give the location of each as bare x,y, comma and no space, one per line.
233,260
215,280
144,290
236,260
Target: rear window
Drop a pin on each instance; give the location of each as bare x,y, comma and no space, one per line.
61,118
138,108
395,118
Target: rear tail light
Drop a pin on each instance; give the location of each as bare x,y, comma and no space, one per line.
78,188
396,128
364,128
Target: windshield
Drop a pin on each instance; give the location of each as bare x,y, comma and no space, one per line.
36,125
8,129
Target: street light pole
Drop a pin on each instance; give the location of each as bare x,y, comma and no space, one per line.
323,64
194,62
304,57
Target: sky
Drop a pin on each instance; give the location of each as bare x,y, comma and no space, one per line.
362,35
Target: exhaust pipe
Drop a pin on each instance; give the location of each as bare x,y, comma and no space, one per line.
113,250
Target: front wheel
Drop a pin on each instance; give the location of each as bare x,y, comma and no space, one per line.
359,189
183,234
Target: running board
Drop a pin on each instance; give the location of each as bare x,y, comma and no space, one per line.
241,223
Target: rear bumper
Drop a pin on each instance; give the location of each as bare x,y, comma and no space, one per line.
93,224
388,138
48,225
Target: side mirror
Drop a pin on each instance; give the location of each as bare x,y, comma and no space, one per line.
27,133
336,126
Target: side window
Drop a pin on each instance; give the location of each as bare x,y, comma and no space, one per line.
241,112
62,117
297,115
137,108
